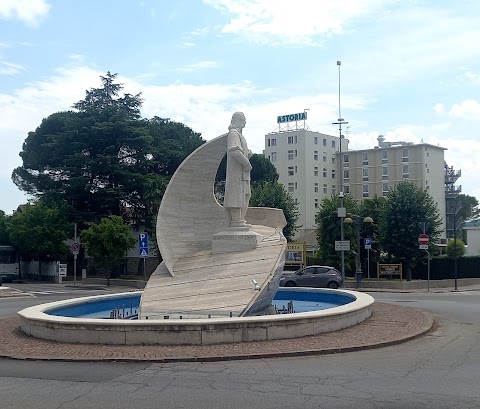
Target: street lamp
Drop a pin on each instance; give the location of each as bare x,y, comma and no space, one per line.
341,209
358,266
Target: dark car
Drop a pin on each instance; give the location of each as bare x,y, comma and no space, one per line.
313,276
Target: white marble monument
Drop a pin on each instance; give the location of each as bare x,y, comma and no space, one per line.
211,253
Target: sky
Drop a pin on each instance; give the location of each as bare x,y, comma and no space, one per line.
410,69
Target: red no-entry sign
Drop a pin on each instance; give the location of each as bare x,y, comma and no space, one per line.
423,239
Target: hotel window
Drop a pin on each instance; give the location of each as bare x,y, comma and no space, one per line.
290,171
333,144
290,139
365,174
315,140
274,157
405,171
315,155
315,171
274,142
268,140
315,187
324,172
333,174
316,204
295,153
333,159
346,174
385,172
346,159
405,154
365,190
333,189
291,187
290,155
324,142
365,158
384,156
324,156
325,188
347,189
385,188
295,169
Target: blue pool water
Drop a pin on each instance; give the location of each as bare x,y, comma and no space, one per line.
303,301
284,300
100,308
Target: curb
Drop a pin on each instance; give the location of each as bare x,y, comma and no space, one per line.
426,319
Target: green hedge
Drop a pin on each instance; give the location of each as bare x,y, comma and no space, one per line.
442,268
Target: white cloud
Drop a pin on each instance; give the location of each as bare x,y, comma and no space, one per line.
300,22
471,77
7,68
28,11
439,108
199,66
468,109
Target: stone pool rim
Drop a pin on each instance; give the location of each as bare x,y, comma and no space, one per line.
35,321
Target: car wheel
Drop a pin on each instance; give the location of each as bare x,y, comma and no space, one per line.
290,284
332,284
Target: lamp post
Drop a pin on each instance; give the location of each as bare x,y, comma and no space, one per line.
358,265
341,209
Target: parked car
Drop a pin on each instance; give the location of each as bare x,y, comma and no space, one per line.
313,276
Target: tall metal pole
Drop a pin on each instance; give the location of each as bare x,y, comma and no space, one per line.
455,272
339,123
358,272
75,259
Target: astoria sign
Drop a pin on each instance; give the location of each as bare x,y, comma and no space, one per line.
302,116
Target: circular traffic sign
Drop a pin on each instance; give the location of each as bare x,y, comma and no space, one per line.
75,247
423,239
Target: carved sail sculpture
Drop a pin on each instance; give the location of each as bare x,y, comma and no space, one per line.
194,282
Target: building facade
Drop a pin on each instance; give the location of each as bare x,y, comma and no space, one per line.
306,163
372,172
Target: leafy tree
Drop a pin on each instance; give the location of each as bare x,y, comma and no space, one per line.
102,159
407,208
262,170
38,232
4,237
372,208
273,194
107,243
328,231
467,207
460,248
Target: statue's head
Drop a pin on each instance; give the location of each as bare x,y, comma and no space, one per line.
238,121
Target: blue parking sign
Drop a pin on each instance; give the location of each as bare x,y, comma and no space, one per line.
368,244
143,244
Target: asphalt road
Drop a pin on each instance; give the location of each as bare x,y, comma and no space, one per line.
440,370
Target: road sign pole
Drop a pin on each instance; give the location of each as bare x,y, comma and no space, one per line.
75,259
428,272
368,267
145,269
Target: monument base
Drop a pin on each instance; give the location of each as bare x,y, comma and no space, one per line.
235,239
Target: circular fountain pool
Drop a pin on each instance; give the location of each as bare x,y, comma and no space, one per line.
308,311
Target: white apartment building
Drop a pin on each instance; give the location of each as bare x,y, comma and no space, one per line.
306,163
372,172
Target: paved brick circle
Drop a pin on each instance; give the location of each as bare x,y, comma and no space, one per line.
388,325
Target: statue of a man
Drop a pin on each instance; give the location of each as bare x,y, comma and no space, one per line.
237,183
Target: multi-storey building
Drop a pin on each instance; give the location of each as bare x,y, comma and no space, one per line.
372,172
306,163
